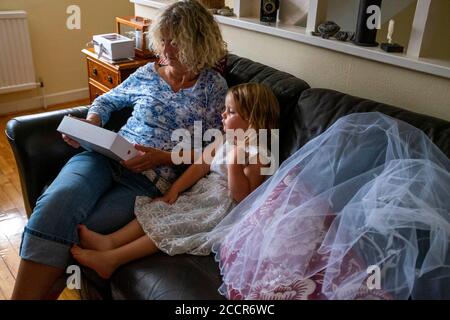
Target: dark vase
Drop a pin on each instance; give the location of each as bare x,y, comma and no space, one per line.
363,35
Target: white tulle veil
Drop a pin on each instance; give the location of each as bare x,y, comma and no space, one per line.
369,191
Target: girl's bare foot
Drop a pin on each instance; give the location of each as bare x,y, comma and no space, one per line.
99,261
93,240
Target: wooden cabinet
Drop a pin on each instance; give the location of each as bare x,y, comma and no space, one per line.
104,75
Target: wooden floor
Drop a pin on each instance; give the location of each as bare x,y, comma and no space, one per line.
12,211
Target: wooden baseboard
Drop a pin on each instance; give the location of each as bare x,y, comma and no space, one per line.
42,101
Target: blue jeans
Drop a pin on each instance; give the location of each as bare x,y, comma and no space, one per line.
90,189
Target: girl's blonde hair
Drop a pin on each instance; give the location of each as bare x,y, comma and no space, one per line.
256,104
193,31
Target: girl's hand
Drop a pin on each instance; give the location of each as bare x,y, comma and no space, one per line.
148,158
73,143
170,197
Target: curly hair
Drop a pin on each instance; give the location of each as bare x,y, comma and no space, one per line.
257,104
193,31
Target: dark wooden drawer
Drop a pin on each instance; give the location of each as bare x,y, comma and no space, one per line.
95,91
103,75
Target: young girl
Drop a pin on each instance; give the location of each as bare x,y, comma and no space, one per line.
178,222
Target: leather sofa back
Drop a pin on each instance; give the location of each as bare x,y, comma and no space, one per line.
318,109
306,112
39,151
285,86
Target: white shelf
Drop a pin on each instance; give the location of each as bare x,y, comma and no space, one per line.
154,3
431,66
435,67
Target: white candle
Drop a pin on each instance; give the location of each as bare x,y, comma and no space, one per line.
390,30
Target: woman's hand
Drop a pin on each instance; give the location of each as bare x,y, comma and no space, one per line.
170,197
149,158
70,141
92,118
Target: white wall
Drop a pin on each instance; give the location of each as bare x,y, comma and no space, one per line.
324,68
57,50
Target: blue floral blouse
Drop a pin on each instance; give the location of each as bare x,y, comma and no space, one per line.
158,111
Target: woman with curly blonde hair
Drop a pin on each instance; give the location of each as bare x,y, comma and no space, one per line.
98,192
193,31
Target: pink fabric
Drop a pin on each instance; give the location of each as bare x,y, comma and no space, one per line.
272,284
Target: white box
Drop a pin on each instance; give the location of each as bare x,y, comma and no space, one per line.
114,46
98,139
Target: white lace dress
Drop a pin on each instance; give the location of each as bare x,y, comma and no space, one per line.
182,227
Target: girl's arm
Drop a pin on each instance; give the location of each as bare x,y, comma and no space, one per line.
243,179
194,173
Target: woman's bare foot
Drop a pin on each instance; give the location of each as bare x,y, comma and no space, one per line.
93,240
99,261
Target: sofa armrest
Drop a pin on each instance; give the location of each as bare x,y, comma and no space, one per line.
39,150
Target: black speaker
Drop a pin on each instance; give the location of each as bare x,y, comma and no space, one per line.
364,36
269,10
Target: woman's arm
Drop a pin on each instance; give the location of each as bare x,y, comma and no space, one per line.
122,96
243,179
148,159
151,158
94,119
91,118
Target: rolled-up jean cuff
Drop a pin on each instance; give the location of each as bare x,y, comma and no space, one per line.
44,251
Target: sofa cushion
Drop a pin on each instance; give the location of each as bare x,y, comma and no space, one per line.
318,109
163,277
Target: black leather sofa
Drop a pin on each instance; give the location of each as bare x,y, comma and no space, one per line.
40,153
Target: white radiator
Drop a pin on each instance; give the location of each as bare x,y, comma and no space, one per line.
16,59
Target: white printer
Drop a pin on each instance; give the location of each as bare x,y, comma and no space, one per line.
113,46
